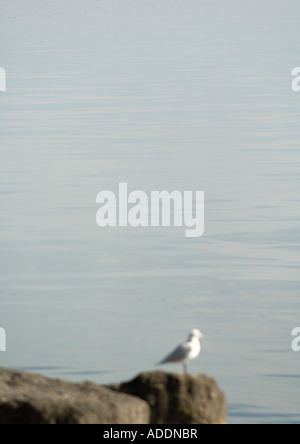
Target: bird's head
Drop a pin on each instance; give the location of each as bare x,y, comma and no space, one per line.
195,333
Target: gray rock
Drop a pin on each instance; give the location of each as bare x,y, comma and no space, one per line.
33,399
179,399
27,398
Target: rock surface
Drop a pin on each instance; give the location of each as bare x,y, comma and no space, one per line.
33,399
150,398
179,399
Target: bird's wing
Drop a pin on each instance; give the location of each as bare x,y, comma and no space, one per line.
179,354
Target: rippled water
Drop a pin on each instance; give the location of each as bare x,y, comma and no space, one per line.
181,95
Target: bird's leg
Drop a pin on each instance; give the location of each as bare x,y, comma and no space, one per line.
185,369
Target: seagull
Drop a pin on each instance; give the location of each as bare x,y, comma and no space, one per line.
186,351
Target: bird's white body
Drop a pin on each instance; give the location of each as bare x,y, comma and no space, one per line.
186,351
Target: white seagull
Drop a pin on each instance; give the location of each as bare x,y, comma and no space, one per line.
186,351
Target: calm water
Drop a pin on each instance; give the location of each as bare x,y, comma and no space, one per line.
185,95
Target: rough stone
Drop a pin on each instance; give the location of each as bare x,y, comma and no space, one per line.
179,399
27,398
